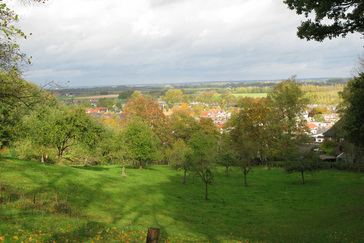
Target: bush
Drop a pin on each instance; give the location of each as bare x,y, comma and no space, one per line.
352,167
329,147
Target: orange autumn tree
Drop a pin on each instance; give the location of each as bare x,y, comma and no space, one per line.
151,113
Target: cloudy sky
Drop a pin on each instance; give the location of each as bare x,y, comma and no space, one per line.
115,42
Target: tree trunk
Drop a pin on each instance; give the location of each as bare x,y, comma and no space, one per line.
140,165
206,197
227,171
60,152
245,173
185,177
303,178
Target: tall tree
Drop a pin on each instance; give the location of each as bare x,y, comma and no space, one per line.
353,116
226,155
347,16
150,112
173,96
203,146
290,102
140,140
183,125
180,158
17,97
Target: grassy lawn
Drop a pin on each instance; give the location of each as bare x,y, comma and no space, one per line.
44,202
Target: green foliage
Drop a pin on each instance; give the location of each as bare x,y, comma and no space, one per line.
203,149
180,158
347,16
174,96
61,128
289,99
17,97
183,125
226,156
353,117
297,161
126,94
329,147
11,58
140,141
319,118
136,94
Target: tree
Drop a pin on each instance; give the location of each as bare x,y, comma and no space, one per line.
140,140
297,161
173,96
125,94
208,126
203,146
226,156
347,16
183,125
353,116
17,97
180,158
289,101
150,112
136,94
61,128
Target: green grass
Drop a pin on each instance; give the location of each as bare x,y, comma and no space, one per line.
44,202
253,95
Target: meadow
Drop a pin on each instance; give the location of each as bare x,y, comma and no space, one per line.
44,202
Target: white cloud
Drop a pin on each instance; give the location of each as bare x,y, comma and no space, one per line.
142,41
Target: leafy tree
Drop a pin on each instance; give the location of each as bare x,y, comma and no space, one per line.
136,94
203,147
297,161
103,102
61,128
353,116
319,118
150,112
180,158
347,16
183,125
198,109
289,101
140,141
227,98
125,94
17,97
208,126
173,96
226,156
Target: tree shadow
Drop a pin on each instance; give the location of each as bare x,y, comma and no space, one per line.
91,168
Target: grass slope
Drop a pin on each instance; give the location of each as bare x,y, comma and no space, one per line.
44,202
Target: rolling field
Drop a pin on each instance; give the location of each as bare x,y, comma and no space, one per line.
253,95
42,202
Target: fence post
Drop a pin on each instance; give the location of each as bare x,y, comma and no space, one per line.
153,235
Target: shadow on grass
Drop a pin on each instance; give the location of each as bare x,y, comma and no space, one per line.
91,168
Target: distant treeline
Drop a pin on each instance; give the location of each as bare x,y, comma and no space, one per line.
251,87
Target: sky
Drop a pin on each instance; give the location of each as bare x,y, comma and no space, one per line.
129,42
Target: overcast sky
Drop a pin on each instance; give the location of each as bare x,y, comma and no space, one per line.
115,42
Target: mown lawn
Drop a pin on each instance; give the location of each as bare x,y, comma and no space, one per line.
44,202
